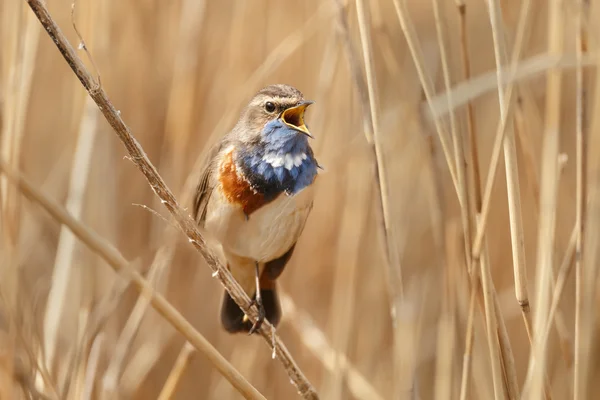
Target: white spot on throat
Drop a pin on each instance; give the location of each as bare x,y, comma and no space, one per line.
287,160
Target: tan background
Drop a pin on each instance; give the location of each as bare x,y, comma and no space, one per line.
179,72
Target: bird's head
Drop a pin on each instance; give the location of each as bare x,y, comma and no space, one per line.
275,117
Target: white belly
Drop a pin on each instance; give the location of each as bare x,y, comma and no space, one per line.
267,234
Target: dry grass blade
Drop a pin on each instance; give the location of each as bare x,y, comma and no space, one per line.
120,264
185,222
548,196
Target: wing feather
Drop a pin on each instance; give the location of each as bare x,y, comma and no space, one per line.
207,183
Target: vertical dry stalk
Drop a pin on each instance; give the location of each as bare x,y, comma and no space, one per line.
522,33
351,236
491,324
183,359
92,367
474,201
417,56
548,199
581,181
185,222
180,112
561,281
374,139
20,36
589,267
446,325
472,137
483,206
66,292
64,277
512,172
367,96
470,336
457,140
394,276
523,30
488,290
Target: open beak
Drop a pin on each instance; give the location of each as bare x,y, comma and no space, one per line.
294,117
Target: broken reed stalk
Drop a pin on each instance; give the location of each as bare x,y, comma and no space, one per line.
185,222
116,260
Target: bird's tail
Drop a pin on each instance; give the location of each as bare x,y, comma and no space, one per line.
234,320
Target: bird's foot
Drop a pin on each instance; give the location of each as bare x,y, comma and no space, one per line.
261,315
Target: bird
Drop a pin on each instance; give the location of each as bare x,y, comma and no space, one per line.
254,197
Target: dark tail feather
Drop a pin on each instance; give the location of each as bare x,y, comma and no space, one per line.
232,317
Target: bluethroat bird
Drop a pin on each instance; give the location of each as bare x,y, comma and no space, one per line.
255,195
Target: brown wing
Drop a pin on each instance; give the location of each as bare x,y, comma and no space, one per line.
206,184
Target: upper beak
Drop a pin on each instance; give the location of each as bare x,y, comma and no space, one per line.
294,117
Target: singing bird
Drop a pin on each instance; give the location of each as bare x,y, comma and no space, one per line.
255,195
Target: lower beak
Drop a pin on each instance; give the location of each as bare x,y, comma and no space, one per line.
294,117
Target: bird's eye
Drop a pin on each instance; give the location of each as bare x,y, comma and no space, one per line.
270,107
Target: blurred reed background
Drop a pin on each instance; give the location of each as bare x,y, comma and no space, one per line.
179,72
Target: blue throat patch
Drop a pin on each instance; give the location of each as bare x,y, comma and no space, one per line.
282,161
